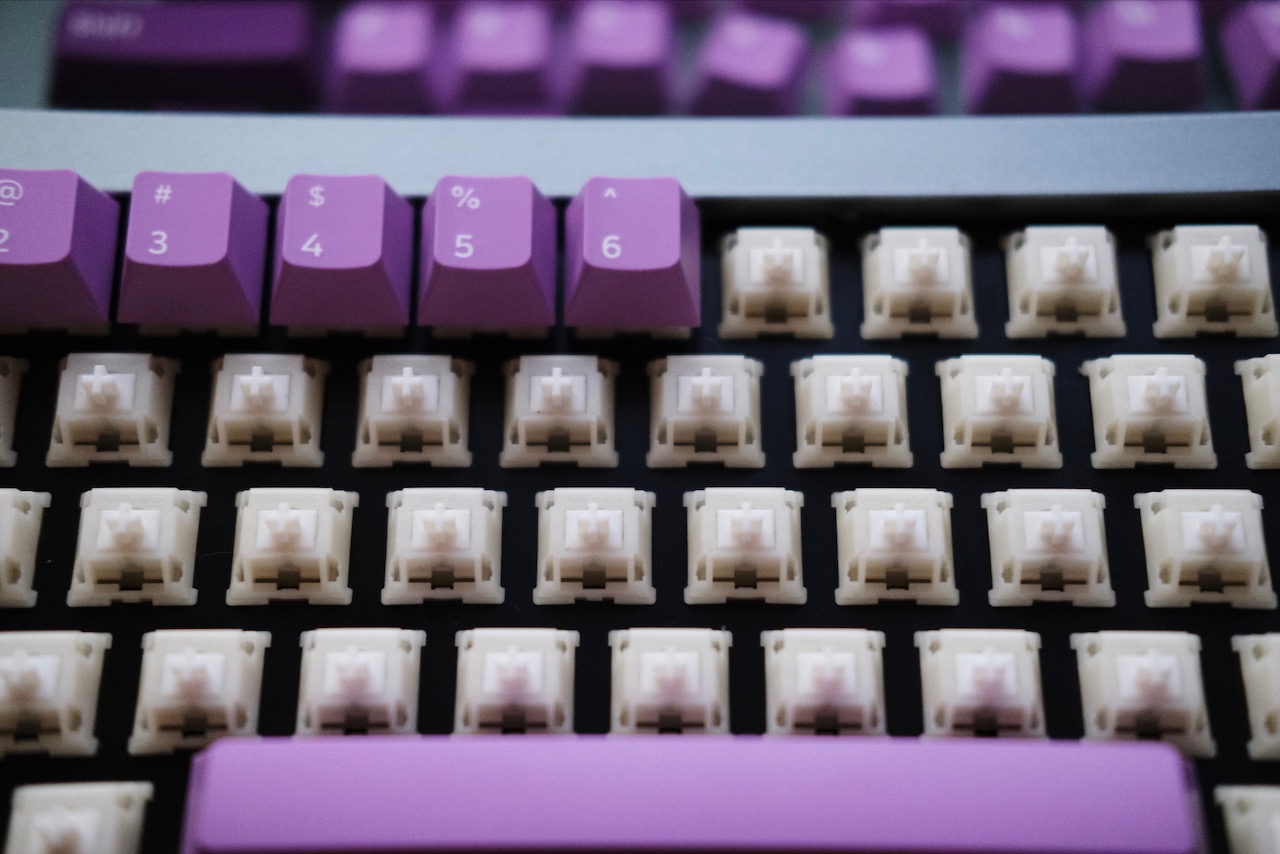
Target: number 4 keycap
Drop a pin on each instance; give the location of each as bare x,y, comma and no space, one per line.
343,251
194,253
632,258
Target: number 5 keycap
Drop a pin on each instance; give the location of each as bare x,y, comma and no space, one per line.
488,257
343,251
57,250
194,253
632,257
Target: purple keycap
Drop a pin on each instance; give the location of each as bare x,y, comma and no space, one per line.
488,256
621,54
382,58
1251,50
803,10
229,54
57,251
941,19
1143,55
344,246
1020,58
750,65
499,59
689,793
194,253
882,72
632,256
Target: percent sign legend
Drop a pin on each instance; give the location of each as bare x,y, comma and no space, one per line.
466,196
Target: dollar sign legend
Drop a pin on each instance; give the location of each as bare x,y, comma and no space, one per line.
317,196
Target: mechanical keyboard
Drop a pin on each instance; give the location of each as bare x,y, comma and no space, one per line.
807,484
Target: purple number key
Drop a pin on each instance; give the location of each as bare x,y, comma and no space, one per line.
1143,54
139,55
343,251
488,256
885,72
620,56
499,60
382,58
750,65
632,256
1251,49
1020,58
57,251
941,19
194,253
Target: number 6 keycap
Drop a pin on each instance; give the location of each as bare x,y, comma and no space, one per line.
194,253
343,251
632,257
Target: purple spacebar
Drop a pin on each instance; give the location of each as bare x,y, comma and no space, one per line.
688,793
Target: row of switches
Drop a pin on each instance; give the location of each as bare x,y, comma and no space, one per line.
196,245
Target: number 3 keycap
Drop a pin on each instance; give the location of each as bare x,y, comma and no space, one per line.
194,254
343,252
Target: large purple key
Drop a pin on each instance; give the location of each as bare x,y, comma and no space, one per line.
689,793
632,257
1251,49
1020,58
344,246
488,256
621,54
382,58
194,253
229,54
941,19
1143,55
499,59
750,65
57,251
882,72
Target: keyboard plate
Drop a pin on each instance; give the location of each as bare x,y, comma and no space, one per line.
899,622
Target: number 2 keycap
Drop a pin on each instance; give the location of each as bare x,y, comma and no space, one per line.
194,253
57,250
343,251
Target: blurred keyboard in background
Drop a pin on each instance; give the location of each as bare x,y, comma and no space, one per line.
702,57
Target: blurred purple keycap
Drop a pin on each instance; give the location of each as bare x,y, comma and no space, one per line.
344,246
882,72
941,19
803,10
632,256
57,251
1020,58
382,57
488,256
203,52
1251,51
194,252
499,59
750,65
1143,55
621,54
